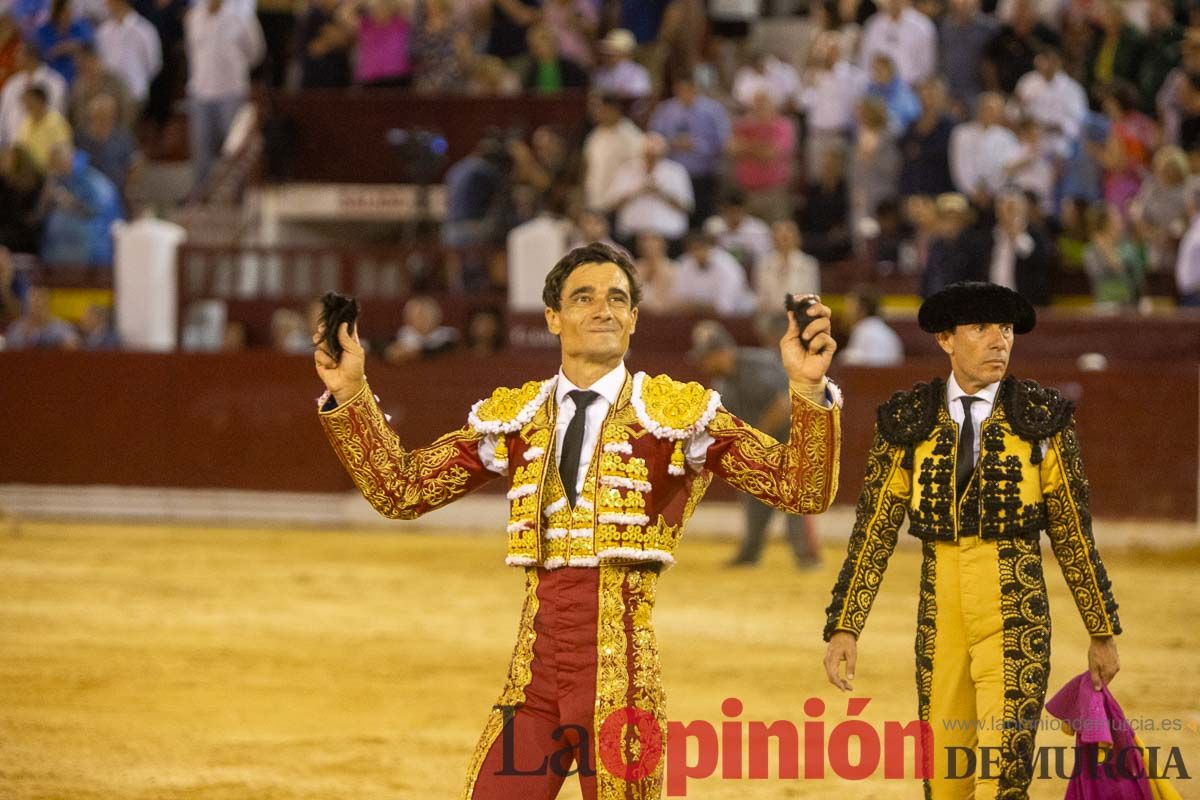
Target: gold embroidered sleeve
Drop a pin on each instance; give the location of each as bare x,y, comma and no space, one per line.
882,505
799,476
1069,525
400,483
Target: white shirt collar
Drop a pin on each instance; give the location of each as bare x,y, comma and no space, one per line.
608,387
954,391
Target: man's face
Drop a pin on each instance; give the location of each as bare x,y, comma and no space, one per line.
978,352
596,315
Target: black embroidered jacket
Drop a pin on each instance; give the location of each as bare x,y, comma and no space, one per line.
1029,478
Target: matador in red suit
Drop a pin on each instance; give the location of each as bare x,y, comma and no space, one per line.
604,469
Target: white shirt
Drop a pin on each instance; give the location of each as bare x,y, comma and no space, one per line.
1005,253
12,109
604,151
131,49
749,241
831,98
647,211
910,41
778,79
777,274
625,78
609,390
721,284
872,344
1187,264
222,48
979,411
978,156
1059,101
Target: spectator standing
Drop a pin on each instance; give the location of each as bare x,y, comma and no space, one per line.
762,149
902,105
980,150
874,174
784,269
30,72
1054,100
62,38
901,32
93,79
166,16
1034,167
37,328
423,335
81,206
925,147
384,31
656,273
738,232
872,342
43,128
960,252
824,211
766,73
964,36
129,45
1162,54
830,90
1132,138
697,129
613,141
20,195
1170,98
1022,256
1116,53
1012,50
440,49
651,193
573,24
618,74
710,280
1112,262
546,71
109,147
1160,210
325,42
223,46
1187,265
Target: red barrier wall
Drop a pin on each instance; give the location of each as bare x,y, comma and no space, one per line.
248,420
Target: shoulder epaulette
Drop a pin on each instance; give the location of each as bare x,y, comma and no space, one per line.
908,417
672,409
1035,412
509,409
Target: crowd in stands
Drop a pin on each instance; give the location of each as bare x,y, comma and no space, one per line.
936,139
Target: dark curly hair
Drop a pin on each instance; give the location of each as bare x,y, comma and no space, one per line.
594,253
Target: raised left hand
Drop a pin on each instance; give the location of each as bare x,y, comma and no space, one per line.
1103,662
808,365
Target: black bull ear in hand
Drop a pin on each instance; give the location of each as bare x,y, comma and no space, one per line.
338,309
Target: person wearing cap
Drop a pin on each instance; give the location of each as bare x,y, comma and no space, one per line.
980,463
754,385
618,74
603,469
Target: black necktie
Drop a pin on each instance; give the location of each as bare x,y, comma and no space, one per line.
966,446
568,464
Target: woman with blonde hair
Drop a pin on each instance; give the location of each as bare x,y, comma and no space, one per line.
1159,211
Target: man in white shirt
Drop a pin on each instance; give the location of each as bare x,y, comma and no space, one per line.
613,141
30,72
829,95
223,46
601,468
651,193
980,150
980,464
739,233
618,74
904,35
1054,100
129,46
1187,265
709,279
766,73
872,341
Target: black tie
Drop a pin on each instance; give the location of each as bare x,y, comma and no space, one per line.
966,446
568,465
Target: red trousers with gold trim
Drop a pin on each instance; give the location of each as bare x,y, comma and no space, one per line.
585,652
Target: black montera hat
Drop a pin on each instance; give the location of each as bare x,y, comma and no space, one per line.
969,302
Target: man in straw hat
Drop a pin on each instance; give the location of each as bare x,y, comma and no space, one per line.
981,463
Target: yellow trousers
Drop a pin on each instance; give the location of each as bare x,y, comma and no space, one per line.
983,660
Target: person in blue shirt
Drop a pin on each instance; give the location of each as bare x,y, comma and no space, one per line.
83,205
903,107
696,128
62,37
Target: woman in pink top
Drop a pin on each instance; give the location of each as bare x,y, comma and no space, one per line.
763,147
383,39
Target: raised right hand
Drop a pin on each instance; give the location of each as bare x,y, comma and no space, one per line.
343,379
843,646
